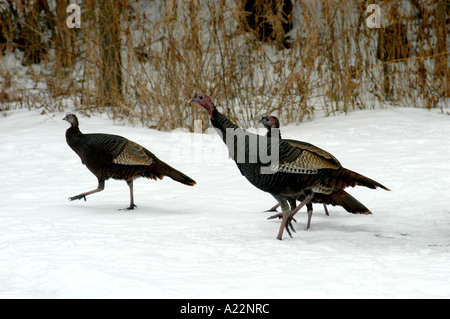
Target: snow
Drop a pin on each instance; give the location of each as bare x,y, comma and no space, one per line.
213,240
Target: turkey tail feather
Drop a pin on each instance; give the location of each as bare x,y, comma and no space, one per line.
365,181
350,204
176,175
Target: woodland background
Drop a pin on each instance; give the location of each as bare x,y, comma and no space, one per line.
141,61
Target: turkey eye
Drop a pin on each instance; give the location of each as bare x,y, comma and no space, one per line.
201,97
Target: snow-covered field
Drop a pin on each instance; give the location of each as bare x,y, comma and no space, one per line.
213,240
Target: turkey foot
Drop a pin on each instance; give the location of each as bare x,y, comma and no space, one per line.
287,216
100,187
288,222
273,209
78,197
132,206
289,225
280,216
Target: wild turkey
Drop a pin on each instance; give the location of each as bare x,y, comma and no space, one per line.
112,156
298,172
339,198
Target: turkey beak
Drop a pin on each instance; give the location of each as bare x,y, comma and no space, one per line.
65,118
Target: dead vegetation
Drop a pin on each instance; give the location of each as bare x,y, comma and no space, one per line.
143,60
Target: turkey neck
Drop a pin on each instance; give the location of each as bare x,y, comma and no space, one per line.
269,134
244,148
233,136
221,122
72,134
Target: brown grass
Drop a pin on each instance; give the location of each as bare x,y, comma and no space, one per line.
171,49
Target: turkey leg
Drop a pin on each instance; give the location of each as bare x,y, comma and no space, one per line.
274,208
293,206
309,211
287,216
132,206
285,211
292,203
100,187
326,209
